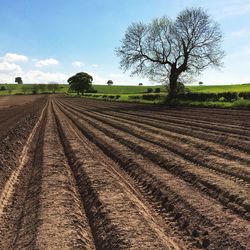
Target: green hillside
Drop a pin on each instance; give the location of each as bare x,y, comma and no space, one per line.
127,90
220,88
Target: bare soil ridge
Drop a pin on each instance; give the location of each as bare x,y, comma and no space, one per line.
97,175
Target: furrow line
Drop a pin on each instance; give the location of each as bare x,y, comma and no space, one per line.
182,212
199,144
209,182
113,210
231,168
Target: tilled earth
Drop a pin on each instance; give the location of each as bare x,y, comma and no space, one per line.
84,174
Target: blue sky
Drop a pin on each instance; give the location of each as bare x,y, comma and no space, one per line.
50,40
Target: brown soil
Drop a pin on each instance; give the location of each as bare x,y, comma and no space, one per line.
13,101
85,174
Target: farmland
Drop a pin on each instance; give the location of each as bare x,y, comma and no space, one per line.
129,90
85,174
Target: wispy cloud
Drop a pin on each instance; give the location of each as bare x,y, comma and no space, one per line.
7,67
38,76
77,64
46,62
95,65
12,57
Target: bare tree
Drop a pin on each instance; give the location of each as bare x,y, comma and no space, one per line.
167,50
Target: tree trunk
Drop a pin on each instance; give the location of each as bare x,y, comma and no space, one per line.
172,87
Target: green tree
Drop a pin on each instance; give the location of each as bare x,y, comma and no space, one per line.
42,87
10,88
110,82
80,82
168,50
35,89
25,89
19,80
53,87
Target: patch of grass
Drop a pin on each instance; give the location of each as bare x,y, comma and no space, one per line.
105,89
235,104
220,88
27,89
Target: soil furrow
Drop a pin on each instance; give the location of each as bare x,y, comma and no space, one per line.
77,173
218,164
89,131
213,183
63,224
114,209
202,144
14,193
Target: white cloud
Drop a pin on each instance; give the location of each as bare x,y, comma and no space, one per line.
12,57
94,65
37,76
97,79
46,62
7,67
77,64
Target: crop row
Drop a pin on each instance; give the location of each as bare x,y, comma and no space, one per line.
121,150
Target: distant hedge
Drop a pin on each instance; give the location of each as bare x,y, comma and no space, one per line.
134,97
151,97
198,96
225,96
244,95
2,88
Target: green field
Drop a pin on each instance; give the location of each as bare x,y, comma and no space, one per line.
16,89
124,89
142,89
126,93
220,88
127,90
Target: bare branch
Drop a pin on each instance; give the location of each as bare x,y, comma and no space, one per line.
164,49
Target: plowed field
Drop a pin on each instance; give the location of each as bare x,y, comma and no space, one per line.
84,174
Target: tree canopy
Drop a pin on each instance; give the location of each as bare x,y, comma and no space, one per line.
19,80
167,50
110,82
52,86
80,82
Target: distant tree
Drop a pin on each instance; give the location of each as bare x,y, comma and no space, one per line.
140,84
25,89
110,82
42,87
200,83
10,88
150,90
35,89
80,82
2,88
167,50
19,80
157,90
53,87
